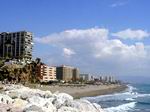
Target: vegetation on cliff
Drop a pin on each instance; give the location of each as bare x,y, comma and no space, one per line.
17,73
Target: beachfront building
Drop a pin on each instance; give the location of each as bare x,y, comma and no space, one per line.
46,73
107,79
86,77
111,79
16,45
76,74
67,73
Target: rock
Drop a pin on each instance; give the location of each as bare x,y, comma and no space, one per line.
5,99
68,109
36,100
25,96
62,99
51,99
16,109
44,103
98,107
19,103
33,108
47,94
83,106
4,107
49,107
18,98
13,94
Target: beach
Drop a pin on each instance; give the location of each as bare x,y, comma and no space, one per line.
83,91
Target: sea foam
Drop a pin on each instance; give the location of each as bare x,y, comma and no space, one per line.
122,108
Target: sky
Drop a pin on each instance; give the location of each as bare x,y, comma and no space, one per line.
101,37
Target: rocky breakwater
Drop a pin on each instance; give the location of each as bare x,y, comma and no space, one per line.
17,98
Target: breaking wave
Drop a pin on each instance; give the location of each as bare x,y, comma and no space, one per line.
122,108
125,101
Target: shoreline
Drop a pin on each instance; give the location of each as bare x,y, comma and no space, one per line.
84,91
101,92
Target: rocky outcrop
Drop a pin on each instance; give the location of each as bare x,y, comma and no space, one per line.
17,98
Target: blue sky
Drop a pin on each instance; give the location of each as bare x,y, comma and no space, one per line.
126,21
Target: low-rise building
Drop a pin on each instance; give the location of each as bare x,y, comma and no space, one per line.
46,73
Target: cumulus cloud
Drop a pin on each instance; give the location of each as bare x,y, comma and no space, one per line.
74,35
131,34
68,52
94,51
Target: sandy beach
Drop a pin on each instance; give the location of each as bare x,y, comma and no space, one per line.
83,91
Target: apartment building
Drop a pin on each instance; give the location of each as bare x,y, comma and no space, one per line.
46,73
86,77
67,73
16,45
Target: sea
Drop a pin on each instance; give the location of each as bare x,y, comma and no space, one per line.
136,98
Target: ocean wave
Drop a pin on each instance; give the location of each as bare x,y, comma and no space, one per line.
129,94
143,95
129,99
115,97
131,88
121,108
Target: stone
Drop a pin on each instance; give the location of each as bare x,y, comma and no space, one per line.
47,94
61,99
13,95
98,107
36,100
68,109
19,103
5,99
18,98
33,108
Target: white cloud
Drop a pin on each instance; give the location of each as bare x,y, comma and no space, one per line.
131,34
117,4
68,52
69,35
92,48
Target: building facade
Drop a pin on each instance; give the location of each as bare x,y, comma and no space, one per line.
86,77
46,73
16,45
67,73
76,74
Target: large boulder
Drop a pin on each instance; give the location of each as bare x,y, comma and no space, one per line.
16,109
5,107
19,103
5,99
47,94
13,94
49,107
98,107
33,108
36,100
84,106
61,99
18,98
68,109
